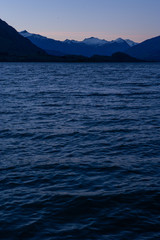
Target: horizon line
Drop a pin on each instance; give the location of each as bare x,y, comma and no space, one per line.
62,38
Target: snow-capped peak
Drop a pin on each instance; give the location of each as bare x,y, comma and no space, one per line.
94,41
130,42
119,40
88,41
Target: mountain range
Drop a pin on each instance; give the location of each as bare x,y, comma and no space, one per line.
88,47
25,46
148,50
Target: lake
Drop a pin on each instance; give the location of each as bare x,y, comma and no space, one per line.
80,151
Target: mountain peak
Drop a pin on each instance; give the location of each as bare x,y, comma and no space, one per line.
24,33
92,38
130,42
70,41
94,41
119,40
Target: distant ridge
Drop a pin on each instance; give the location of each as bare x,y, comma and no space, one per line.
148,50
88,47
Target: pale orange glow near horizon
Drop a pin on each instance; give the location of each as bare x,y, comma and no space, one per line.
137,20
79,36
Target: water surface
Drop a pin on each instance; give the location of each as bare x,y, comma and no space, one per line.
79,151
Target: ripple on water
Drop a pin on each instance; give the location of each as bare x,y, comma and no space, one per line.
80,152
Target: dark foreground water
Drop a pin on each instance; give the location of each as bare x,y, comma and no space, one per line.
79,151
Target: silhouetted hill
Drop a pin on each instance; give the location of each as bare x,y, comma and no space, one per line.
148,50
117,57
13,44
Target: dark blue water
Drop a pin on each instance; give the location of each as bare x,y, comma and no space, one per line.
79,151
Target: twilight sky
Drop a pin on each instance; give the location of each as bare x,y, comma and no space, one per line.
77,19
